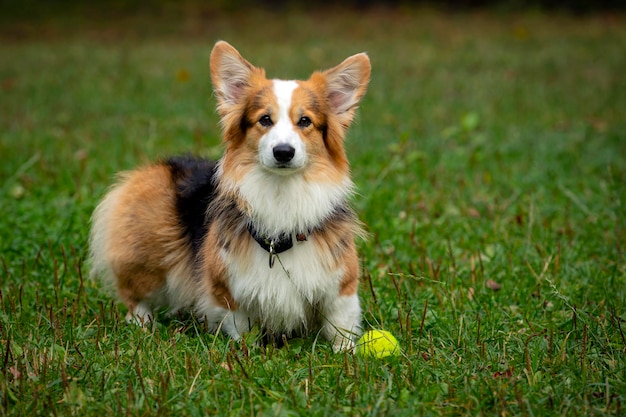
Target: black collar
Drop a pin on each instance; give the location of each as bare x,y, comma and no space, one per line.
283,243
275,246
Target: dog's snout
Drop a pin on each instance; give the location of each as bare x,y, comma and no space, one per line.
284,153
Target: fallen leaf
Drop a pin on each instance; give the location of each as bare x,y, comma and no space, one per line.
492,285
182,75
508,373
15,372
80,155
17,191
470,293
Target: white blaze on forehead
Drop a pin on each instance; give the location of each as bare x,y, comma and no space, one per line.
283,131
284,91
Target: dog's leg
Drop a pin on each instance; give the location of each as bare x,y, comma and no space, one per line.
341,320
219,319
140,291
141,315
236,323
141,312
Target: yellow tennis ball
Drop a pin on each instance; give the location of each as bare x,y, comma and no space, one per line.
377,344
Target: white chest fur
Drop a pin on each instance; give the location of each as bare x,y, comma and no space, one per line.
285,297
279,204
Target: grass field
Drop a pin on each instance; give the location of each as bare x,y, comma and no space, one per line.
490,158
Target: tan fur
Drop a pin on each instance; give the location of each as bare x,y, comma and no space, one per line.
215,276
350,282
143,237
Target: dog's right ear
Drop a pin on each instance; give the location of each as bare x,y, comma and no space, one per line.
346,85
231,75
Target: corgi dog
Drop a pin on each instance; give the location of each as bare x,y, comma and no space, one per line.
263,237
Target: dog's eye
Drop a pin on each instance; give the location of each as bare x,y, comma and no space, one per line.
304,122
266,121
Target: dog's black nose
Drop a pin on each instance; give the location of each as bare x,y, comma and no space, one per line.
284,153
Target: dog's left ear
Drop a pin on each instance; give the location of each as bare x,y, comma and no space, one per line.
346,85
231,75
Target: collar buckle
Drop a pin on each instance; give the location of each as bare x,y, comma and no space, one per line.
272,252
274,246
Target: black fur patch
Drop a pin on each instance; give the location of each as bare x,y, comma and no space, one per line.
195,188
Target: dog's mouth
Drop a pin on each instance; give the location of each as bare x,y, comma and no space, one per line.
283,168
287,166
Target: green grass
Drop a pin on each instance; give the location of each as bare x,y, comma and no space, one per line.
489,151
